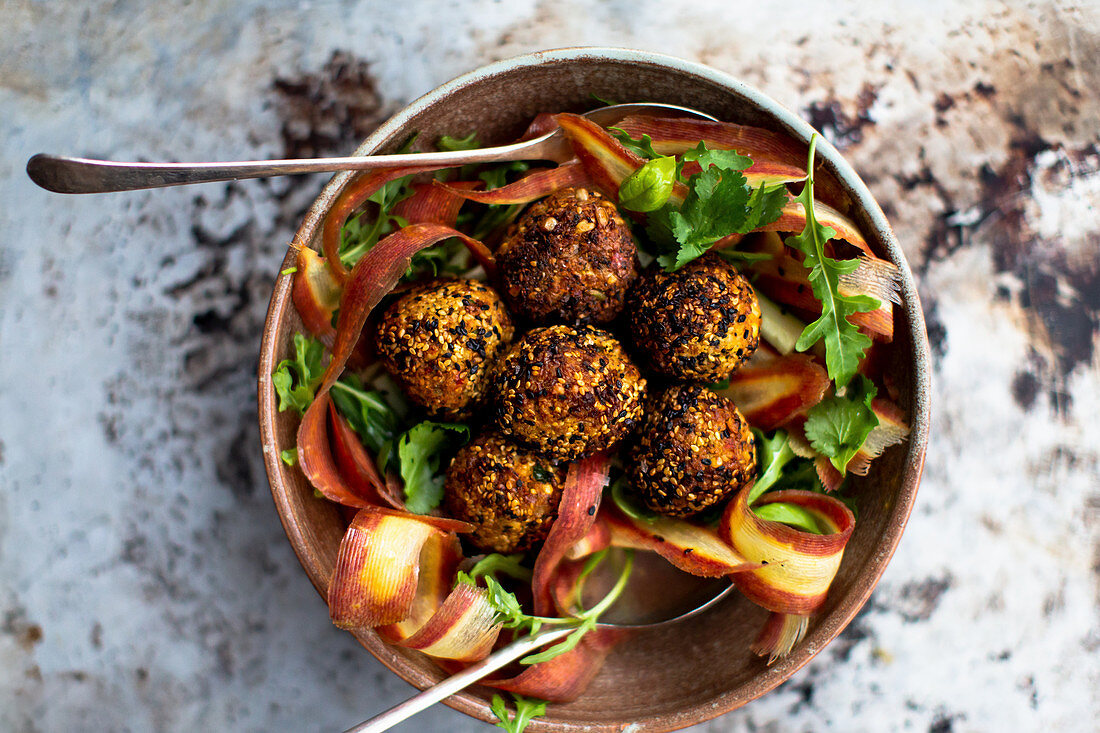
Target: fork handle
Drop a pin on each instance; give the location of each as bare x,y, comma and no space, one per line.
459,681
62,174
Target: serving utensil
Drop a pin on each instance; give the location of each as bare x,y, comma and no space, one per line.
655,596
63,174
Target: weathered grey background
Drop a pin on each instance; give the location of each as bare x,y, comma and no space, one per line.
145,582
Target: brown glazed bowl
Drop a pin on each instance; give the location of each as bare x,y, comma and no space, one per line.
690,672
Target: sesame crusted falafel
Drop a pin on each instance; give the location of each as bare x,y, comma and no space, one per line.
570,258
695,449
567,392
440,341
509,494
697,324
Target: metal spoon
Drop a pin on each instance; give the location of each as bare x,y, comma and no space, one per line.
656,595
63,174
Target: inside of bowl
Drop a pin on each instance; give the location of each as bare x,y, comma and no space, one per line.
697,669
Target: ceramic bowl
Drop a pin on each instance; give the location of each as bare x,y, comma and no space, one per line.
690,672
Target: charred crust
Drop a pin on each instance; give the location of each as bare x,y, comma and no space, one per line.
440,341
570,258
567,392
509,494
695,450
697,324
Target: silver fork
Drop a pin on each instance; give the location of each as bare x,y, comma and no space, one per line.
63,174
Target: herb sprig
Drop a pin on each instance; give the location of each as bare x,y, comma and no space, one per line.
838,426
844,344
526,709
719,202
510,613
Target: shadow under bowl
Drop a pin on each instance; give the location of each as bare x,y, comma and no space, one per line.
694,671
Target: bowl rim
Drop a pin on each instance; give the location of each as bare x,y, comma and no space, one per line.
825,631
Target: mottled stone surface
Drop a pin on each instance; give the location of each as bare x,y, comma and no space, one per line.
145,581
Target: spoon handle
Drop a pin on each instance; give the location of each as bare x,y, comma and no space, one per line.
62,174
456,682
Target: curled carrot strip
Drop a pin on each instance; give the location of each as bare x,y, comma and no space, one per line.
603,157
772,392
691,548
533,186
796,567
354,195
382,560
580,501
432,204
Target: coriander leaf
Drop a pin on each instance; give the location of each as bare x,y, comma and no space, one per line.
643,147
296,380
367,411
772,455
289,456
837,426
719,203
791,514
450,144
526,709
716,207
844,344
765,206
420,453
648,188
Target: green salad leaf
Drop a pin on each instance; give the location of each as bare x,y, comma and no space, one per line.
772,454
844,344
526,709
510,614
719,203
792,515
361,232
837,426
642,147
420,452
648,188
367,411
493,563
451,144
296,380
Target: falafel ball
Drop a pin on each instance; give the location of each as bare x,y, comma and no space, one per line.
568,392
570,258
697,324
695,449
509,494
440,341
